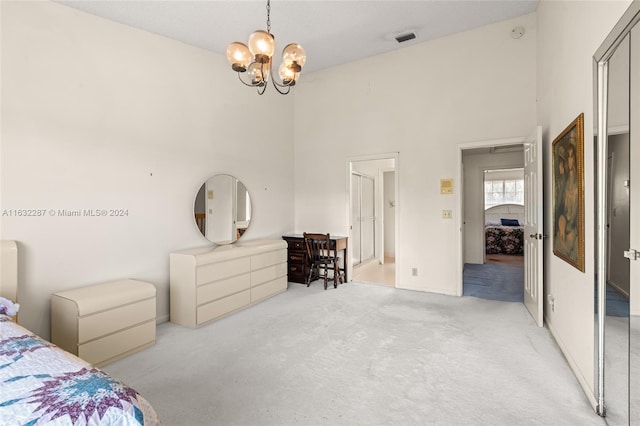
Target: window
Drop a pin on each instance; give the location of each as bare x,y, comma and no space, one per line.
503,191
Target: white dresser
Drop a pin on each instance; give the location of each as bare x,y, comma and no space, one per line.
207,283
104,322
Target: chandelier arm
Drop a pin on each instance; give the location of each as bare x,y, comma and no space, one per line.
244,82
264,89
278,85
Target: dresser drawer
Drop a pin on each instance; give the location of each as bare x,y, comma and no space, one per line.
224,269
218,289
267,274
114,346
110,321
262,260
268,289
222,306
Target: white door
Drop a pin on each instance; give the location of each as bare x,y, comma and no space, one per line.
533,232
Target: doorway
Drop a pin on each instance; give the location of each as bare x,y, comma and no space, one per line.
494,214
372,219
531,158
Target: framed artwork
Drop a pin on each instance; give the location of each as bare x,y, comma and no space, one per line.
568,194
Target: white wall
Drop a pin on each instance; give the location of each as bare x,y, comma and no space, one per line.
97,115
474,167
569,32
419,101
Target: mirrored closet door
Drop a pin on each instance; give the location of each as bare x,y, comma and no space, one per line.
617,85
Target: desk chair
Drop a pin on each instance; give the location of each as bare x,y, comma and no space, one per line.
320,259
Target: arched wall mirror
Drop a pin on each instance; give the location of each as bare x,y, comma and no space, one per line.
222,209
617,94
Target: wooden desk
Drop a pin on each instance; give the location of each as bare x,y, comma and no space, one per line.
298,266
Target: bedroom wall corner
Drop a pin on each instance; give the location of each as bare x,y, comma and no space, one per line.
476,85
98,116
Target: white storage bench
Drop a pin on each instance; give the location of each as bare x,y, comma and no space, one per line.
105,322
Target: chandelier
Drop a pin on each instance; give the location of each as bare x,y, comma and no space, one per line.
256,60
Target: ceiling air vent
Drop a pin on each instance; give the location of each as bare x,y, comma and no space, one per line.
405,37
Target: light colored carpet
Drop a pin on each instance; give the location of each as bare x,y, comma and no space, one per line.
360,355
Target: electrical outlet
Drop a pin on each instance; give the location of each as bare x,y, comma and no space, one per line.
414,272
447,214
552,302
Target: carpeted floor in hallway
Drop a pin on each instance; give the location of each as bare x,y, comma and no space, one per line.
500,278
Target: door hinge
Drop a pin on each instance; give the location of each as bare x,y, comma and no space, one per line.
632,254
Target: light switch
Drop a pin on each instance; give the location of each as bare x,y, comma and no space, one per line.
447,214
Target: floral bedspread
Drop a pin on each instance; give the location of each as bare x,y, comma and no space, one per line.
504,239
43,384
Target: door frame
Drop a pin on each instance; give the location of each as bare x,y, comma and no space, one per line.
383,156
460,197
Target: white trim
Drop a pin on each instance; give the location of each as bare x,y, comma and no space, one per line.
574,367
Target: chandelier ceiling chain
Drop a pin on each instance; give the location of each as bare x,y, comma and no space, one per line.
269,16
256,60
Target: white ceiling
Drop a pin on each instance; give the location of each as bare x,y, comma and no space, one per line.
332,32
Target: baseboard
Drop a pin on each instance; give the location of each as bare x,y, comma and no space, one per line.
161,319
446,292
576,372
619,289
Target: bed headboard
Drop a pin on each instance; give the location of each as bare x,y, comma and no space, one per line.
504,211
9,270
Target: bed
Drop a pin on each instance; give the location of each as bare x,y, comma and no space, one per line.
43,384
503,231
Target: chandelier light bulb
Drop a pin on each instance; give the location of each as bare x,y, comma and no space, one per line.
294,56
257,73
239,56
287,75
261,45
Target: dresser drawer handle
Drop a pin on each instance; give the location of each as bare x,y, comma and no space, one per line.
296,258
293,268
